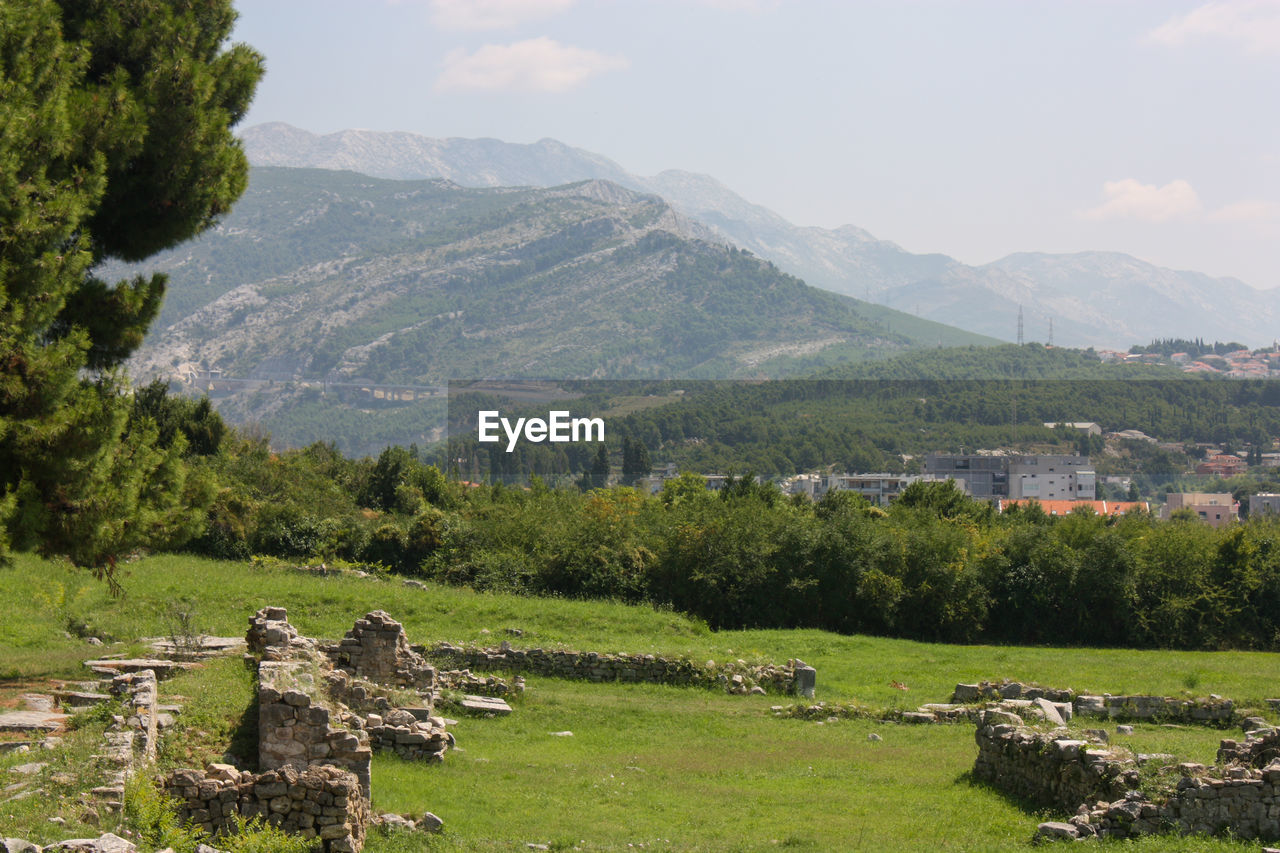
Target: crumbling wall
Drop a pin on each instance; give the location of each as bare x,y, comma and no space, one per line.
1049,770
736,677
297,728
1260,749
324,803
403,733
1212,709
376,648
271,637
1006,689
1102,787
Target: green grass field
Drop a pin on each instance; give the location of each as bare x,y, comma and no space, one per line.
646,767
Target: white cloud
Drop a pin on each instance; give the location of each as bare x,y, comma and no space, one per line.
534,65
1252,210
1254,24
493,14
1129,199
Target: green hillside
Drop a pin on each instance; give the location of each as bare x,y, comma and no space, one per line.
324,279
886,415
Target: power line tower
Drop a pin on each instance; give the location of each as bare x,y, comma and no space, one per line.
1050,331
1019,325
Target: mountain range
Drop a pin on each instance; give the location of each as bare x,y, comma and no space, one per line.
1100,299
382,291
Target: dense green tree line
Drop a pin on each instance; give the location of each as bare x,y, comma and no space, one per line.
866,419
933,566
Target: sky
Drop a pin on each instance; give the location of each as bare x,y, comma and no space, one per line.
967,127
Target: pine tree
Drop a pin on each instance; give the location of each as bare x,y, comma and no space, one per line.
635,461
116,143
600,467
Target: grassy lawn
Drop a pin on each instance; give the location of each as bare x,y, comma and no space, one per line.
662,767
674,769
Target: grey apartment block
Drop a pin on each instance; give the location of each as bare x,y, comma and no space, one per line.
1018,476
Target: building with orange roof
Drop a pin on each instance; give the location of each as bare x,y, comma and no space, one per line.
1066,507
1222,465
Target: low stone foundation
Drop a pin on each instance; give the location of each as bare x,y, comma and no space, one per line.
1212,710
735,677
996,690
1049,770
407,736
464,681
324,803
1101,786
1260,749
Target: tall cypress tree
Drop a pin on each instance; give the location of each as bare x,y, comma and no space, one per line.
635,461
116,143
600,467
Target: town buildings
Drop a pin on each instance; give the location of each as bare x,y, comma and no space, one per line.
1044,477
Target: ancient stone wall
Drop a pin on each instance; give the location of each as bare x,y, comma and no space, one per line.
271,637
997,690
377,649
1213,709
401,732
738,677
464,681
324,803
1260,748
1102,787
1049,770
296,726
140,694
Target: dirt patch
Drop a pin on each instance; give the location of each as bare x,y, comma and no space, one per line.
12,690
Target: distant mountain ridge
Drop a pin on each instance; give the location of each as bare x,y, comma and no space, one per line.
320,278
1091,298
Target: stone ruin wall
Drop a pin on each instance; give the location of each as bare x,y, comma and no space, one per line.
1059,772
1101,787
377,649
1261,748
297,729
1213,710
792,677
323,710
324,803
315,754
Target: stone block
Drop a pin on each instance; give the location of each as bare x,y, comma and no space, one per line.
1050,710
1058,830
806,680
296,698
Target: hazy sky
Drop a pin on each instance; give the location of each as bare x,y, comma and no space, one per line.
965,127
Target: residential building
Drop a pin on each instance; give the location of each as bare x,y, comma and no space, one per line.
1264,503
1065,507
1084,426
994,476
1215,509
1222,465
880,489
